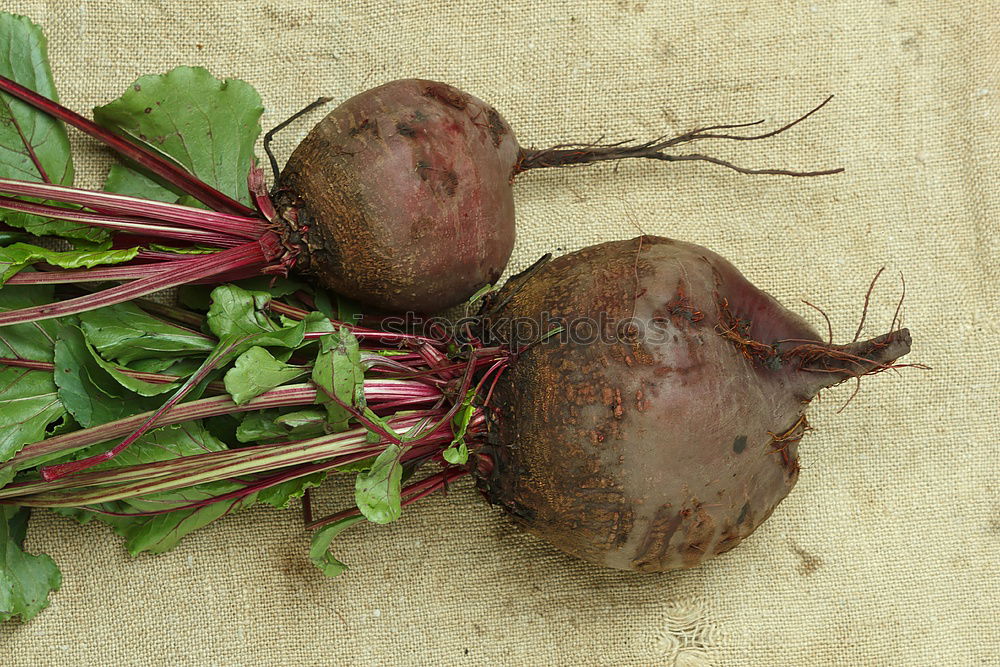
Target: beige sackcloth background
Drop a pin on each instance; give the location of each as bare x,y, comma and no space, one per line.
884,554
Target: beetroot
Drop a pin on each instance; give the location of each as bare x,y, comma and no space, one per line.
404,193
661,426
401,197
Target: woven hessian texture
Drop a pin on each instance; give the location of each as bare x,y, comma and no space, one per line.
886,551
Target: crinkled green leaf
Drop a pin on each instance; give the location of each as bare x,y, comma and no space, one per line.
458,452
257,371
25,580
337,372
161,532
133,384
158,533
161,444
280,495
264,425
208,126
86,389
30,139
15,257
376,491
239,312
319,550
126,333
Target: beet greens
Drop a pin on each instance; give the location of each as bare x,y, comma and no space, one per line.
267,397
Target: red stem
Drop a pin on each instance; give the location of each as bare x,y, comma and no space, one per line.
109,202
127,272
256,253
169,172
288,396
121,223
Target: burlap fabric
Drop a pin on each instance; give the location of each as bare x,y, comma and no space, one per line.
884,554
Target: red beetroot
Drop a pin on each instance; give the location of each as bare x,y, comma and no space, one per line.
402,196
674,435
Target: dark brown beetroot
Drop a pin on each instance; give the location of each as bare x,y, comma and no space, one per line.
674,438
402,196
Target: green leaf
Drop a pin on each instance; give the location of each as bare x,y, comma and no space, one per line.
319,550
161,444
25,580
34,340
208,126
126,333
276,286
357,466
458,452
15,257
376,492
280,495
310,420
29,402
30,139
133,384
189,250
161,532
259,426
338,373
125,181
338,307
86,389
172,365
257,371
8,236
383,423
272,425
239,312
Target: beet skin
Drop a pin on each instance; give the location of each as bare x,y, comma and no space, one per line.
401,197
671,436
